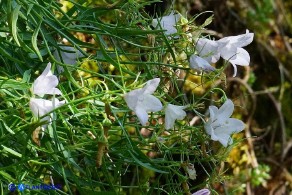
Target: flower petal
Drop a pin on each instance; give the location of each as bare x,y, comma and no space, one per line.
228,45
208,49
172,113
40,107
242,58
235,124
150,104
131,98
176,112
210,130
199,63
239,40
47,71
225,139
202,192
151,86
142,115
56,103
213,112
167,23
46,83
228,52
169,121
225,111
234,70
243,40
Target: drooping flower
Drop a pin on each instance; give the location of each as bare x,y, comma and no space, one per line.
202,192
230,48
141,101
199,63
172,113
46,83
167,23
220,126
41,107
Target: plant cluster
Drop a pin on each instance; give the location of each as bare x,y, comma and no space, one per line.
94,99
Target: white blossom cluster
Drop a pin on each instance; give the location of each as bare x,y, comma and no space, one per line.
209,51
219,126
142,101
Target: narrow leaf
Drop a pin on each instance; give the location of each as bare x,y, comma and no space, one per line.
146,165
34,41
13,152
14,18
6,175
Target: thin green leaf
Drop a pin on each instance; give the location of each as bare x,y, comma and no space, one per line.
11,151
34,41
14,18
8,54
207,21
6,175
7,128
26,76
146,165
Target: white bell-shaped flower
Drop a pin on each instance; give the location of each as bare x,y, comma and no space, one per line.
41,107
199,63
46,83
230,48
220,126
172,113
167,23
141,101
